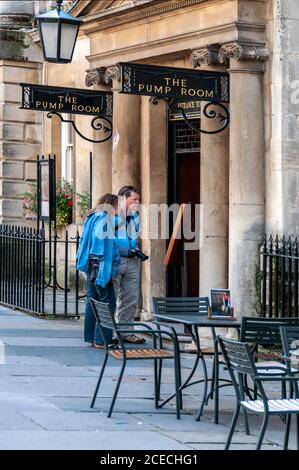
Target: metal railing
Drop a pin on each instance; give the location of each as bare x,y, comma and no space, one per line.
280,277
35,271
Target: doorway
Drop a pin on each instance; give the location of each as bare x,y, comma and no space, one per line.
183,186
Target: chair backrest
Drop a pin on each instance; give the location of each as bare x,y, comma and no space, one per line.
239,360
181,305
237,355
103,315
289,338
264,331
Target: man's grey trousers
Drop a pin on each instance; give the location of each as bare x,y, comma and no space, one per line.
127,290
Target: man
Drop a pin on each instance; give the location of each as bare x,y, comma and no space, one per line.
127,283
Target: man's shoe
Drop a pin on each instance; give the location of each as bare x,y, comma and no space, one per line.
133,339
99,346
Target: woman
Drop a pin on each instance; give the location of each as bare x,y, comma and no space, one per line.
99,259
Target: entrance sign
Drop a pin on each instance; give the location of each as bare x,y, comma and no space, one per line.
192,110
66,100
170,82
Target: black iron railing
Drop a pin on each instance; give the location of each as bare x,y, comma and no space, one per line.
280,277
37,273
21,267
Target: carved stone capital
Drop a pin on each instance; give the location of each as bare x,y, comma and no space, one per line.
241,51
112,73
95,76
205,56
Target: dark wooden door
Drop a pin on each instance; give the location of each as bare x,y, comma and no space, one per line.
184,186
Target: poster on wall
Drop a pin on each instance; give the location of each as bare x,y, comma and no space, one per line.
46,190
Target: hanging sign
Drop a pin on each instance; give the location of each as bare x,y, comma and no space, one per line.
66,100
169,82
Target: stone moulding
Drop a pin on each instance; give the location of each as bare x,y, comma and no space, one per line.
241,51
131,13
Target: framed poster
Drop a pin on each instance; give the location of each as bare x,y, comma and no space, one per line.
46,192
221,306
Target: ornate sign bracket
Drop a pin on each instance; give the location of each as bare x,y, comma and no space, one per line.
221,116
96,124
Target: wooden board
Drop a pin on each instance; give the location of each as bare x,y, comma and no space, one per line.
174,242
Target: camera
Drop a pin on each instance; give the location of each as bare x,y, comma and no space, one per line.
137,254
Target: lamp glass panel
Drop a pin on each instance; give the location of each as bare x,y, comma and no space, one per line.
49,32
68,38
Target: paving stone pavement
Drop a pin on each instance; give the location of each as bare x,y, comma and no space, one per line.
47,377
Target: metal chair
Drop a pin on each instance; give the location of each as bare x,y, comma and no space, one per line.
105,319
189,306
240,362
260,331
290,339
264,332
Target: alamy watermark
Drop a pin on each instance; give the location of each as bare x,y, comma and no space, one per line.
155,222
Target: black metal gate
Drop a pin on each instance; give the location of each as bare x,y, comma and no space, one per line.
37,272
280,277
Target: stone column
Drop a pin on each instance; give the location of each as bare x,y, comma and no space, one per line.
102,152
153,188
246,173
126,135
214,152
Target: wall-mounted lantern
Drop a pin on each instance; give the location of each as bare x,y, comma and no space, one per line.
58,33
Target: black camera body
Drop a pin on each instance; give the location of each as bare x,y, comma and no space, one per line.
136,253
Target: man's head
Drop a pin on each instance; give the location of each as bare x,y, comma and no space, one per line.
130,198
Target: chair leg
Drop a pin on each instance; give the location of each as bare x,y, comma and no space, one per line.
287,433
177,388
180,377
244,385
99,381
156,383
297,431
263,430
246,423
160,363
232,427
211,394
117,388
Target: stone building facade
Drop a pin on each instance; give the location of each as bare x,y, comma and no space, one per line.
246,176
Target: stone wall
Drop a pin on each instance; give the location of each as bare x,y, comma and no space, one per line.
281,90
20,130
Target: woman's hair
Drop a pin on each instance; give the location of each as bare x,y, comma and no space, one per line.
105,203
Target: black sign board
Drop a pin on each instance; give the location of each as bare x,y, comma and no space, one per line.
66,100
181,84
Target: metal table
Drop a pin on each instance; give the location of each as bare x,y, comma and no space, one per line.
192,323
